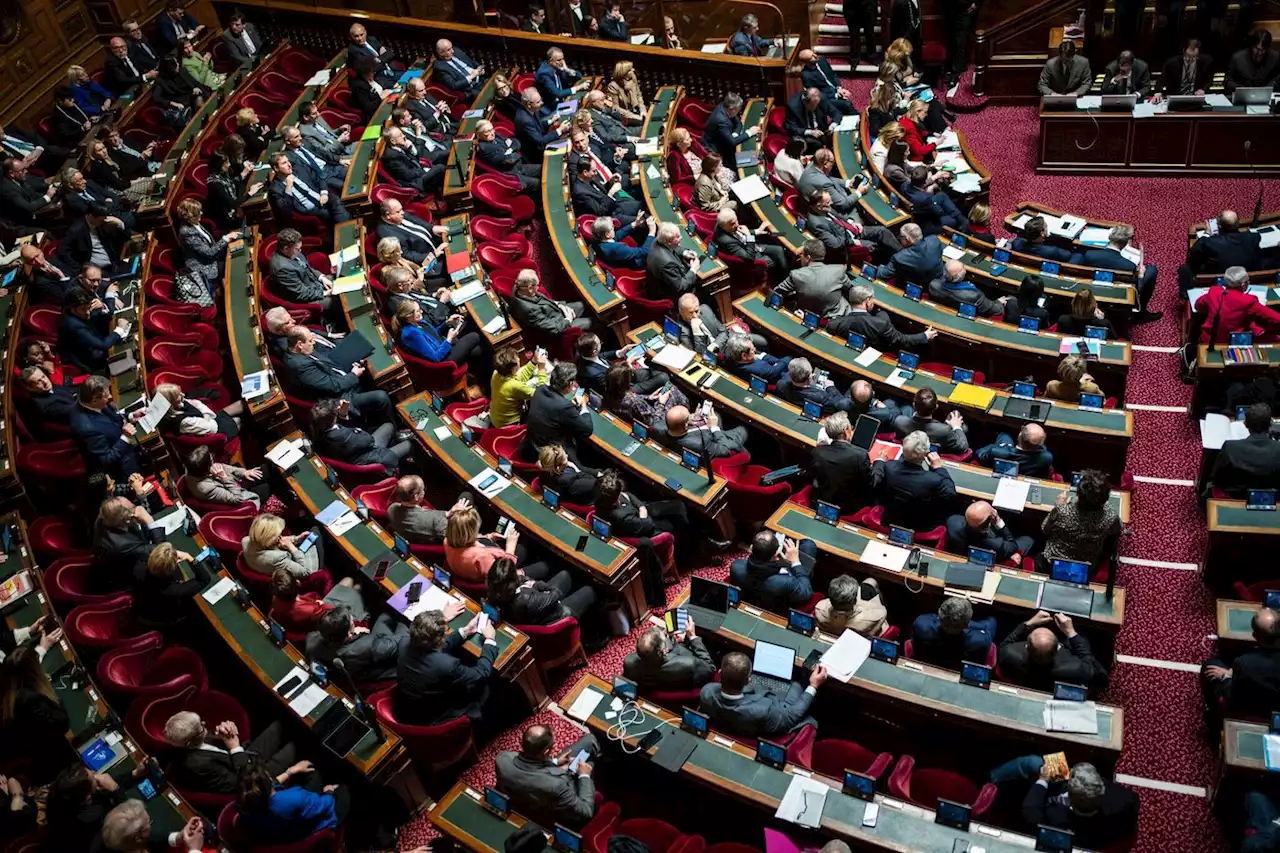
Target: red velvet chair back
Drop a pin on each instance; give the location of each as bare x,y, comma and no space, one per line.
67,581
693,114
56,465
446,378
97,627
657,835
144,669
438,746
556,644
376,496
926,786
356,475
224,529
832,757
53,536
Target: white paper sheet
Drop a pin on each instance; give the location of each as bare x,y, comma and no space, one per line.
320,78
169,523
644,38
1089,102
1077,717
1011,494
712,47
1020,221
803,802
586,702
1144,110
308,700
331,513
255,385
1216,100
157,408
286,454
1094,236
219,590
1269,239
749,189
496,324
898,378
674,357
952,252
442,432
884,556
849,122
494,488
356,282
296,672
343,523
846,655
966,183
465,293
646,148
433,598
867,357
1215,429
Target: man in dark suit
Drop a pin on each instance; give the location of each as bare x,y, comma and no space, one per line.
335,438
1099,813
724,133
581,23
1127,75
606,239
1256,64
738,707
816,73
553,416
810,117
952,635
23,197
814,285
293,278
747,40
545,788
454,70
949,436
821,174
314,376
980,526
536,311
289,194
128,826
741,357
420,241
362,47
1249,463
1032,242
120,74
842,472
32,149
776,575
556,80
505,156
122,542
209,761
433,685
1033,656
86,333
1067,73
432,113
535,21
101,433
798,385
401,162
44,403
1188,73
932,209
875,326
537,125
1214,253
1111,258
1249,684
918,491
1029,451
368,90
593,196
613,26
369,655
242,40
702,331
739,242
702,435
593,363
144,56
954,289
79,194
311,167
46,283
659,663
175,25
918,262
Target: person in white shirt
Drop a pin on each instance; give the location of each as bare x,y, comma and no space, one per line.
790,162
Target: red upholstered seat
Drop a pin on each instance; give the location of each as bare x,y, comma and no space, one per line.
492,193
67,582
693,114
176,324
95,628
324,841
748,500
53,536
832,757
557,644
444,377
433,748
224,530
376,497
925,786
146,669
356,475
146,718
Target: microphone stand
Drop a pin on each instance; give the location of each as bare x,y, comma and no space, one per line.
362,707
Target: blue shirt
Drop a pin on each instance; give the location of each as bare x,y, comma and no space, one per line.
292,814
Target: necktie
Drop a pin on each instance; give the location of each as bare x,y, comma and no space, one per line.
462,68
605,172
87,196
370,48
147,48
248,43
558,86
1188,77
18,145
813,121
310,158
132,68
311,197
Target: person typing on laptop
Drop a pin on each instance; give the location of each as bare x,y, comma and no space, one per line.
1036,655
738,707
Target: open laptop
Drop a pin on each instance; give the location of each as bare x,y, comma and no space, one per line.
1119,103
771,667
708,602
339,729
1058,102
1251,96
1067,590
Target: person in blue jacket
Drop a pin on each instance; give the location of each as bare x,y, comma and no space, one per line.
1111,257
1032,242
616,253
742,358
446,342
86,333
90,97
555,79
747,41
272,815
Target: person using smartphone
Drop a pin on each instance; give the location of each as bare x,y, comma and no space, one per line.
416,520
468,555
434,683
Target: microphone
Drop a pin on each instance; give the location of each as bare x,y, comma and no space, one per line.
362,707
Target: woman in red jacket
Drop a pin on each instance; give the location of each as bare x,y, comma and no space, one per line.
913,126
1234,309
297,613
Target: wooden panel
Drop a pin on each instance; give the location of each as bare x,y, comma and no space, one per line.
1164,141
1070,139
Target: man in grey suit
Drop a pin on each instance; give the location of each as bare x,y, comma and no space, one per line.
415,522
817,176
816,286
327,143
738,707
671,272
1066,73
242,40
296,280
839,233
541,787
660,664
701,329
950,436
703,435
368,654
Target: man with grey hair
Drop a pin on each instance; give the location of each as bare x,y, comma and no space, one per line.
127,829
917,490
842,473
954,289
875,327
747,41
434,114
810,118
208,761
800,386
815,285
556,80
724,132
455,70
743,359
952,635
618,254
120,73
314,168
506,156
1111,257
536,311
420,241
537,125
1100,814
702,331
332,144
661,662
401,161
557,415
671,272
918,262
738,241
342,349
1232,309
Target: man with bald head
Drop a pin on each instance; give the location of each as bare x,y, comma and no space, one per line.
816,73
1215,253
454,70
980,526
1249,685
540,783
362,45
1033,458
401,161
45,282
862,395
1046,649
120,74
953,288
703,435
669,662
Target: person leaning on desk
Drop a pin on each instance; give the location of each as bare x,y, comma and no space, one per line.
1249,684
1067,73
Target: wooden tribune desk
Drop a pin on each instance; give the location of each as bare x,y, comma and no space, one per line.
1214,375
729,768
1211,142
768,209
244,332
612,565
368,541
1235,628
916,691
1237,536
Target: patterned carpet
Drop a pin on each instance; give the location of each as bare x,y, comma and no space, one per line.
1169,611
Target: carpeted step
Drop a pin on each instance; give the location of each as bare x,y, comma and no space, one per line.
833,29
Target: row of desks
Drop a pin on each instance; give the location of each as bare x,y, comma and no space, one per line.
461,167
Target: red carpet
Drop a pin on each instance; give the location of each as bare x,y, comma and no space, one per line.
1169,611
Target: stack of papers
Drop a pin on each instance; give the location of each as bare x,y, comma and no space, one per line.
433,598
588,700
1011,494
646,38
1270,238
349,283
1215,429
713,47
967,183
849,122
1095,236
157,408
867,357
320,78
1020,221
1217,100
1144,110
846,655
674,357
338,517
803,802
219,590
975,396
1067,226
947,140
464,294
304,698
496,324
340,258
285,454
953,252
749,189
1076,717
647,148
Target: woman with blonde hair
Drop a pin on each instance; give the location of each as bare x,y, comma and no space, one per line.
506,100
916,135
91,97
446,342
268,547
390,254
1084,313
189,416
624,89
468,555
160,594
899,56
573,483
203,255
889,134
1073,380
98,166
980,221
255,134
685,165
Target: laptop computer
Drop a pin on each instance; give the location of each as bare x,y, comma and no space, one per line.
1119,103
1186,103
771,666
1058,102
1247,96
708,602
1067,590
339,729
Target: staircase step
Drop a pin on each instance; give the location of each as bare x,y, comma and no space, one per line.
840,67
835,8
833,29
827,49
